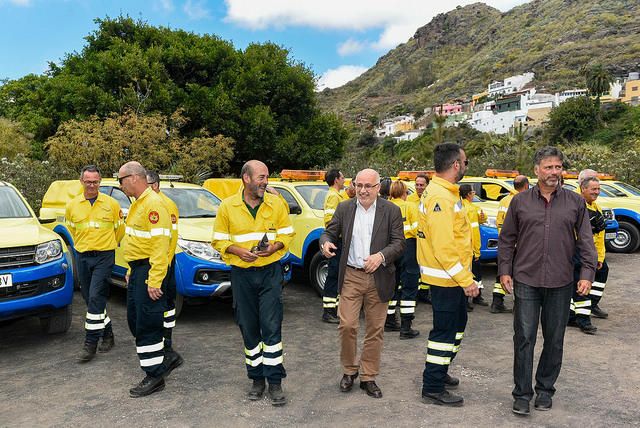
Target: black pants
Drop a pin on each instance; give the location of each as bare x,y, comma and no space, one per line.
476,270
145,317
449,321
581,305
330,293
549,307
257,304
407,276
169,288
94,271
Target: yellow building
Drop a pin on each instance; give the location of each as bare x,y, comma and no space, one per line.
632,90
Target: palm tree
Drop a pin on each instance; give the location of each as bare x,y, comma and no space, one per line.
598,80
438,124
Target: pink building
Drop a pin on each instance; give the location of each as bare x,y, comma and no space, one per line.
447,109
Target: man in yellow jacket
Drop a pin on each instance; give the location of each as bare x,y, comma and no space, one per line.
444,256
335,195
581,306
252,232
520,183
421,182
146,250
95,221
172,358
476,218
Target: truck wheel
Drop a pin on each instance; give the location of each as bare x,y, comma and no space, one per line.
627,240
179,302
58,322
318,269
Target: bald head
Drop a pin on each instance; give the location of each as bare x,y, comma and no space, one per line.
133,179
368,173
367,187
250,167
586,173
255,178
133,168
521,183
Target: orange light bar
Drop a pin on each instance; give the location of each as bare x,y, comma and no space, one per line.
504,173
605,176
299,174
411,175
569,174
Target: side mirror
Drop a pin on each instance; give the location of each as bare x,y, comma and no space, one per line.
46,220
295,209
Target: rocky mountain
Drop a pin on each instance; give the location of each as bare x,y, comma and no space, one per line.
460,52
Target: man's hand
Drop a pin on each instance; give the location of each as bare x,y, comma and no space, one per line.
507,283
373,262
244,254
328,249
599,266
126,279
272,248
472,290
584,286
154,293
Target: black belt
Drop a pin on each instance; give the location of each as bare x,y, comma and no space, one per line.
94,253
356,268
141,262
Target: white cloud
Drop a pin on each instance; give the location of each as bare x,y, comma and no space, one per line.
397,21
339,76
20,2
350,47
164,5
195,10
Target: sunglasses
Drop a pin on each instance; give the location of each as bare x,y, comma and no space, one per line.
122,178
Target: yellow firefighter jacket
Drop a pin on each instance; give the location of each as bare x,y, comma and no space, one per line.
474,221
331,202
174,214
97,227
503,207
409,212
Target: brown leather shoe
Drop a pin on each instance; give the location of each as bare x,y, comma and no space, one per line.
371,388
346,383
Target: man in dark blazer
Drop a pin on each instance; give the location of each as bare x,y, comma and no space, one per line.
372,235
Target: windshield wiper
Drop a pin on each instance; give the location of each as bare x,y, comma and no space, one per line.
198,216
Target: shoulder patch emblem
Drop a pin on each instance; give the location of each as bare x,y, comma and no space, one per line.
174,219
154,217
121,214
437,208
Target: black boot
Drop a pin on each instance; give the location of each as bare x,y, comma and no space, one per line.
147,386
107,343
330,315
257,389
479,300
391,324
172,360
497,306
406,332
88,352
276,394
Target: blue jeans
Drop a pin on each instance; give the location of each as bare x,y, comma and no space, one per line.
550,307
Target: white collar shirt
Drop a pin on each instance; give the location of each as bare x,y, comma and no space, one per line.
360,246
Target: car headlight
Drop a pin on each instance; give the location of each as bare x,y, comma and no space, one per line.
199,249
48,251
491,222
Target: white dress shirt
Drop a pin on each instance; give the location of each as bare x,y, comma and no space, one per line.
361,237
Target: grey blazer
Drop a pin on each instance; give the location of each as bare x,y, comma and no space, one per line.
387,238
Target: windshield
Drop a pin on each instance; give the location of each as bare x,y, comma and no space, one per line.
628,188
193,203
612,190
314,195
12,205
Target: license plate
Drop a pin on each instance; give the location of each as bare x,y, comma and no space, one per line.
5,280
609,236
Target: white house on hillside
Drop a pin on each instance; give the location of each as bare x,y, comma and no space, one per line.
509,85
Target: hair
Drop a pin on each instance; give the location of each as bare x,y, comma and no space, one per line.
331,176
465,189
152,177
444,155
246,169
520,182
398,189
585,183
385,186
426,178
89,168
585,173
548,152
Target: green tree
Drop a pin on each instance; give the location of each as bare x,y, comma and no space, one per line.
438,126
573,120
13,139
598,80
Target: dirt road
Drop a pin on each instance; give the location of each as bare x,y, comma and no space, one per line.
42,385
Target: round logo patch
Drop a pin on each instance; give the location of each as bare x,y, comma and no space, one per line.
120,214
154,217
174,220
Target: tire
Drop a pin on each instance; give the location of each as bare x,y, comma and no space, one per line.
179,303
74,266
627,239
318,269
58,322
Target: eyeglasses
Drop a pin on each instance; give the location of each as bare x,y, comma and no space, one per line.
367,186
91,183
466,162
151,182
122,178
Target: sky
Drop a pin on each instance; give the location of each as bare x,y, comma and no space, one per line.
337,39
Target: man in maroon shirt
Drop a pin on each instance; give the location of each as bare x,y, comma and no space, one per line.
545,228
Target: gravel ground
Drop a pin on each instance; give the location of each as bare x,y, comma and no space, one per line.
42,385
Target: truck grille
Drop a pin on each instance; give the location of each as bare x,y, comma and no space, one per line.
212,276
17,257
32,288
